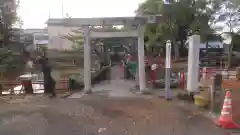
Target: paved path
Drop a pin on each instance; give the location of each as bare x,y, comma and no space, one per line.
112,88
115,87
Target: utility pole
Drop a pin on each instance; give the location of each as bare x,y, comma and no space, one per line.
2,24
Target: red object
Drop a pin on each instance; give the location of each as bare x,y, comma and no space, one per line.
225,120
122,67
153,76
133,58
27,82
160,60
182,82
208,72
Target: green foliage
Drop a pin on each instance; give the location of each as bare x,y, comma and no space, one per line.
9,18
228,13
236,42
99,46
4,54
77,38
10,61
180,19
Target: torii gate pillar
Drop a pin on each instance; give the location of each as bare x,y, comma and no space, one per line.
87,60
141,59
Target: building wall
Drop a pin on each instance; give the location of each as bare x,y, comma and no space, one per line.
55,41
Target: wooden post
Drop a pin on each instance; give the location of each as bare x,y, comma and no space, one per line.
221,63
212,97
1,89
27,86
238,73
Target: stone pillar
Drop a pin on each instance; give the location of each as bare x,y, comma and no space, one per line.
87,59
141,59
193,64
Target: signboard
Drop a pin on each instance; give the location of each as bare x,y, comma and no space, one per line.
41,42
41,39
116,21
215,44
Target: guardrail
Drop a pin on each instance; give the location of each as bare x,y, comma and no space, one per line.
15,87
62,86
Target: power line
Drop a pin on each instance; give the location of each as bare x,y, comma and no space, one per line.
62,11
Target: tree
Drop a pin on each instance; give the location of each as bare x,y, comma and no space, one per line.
228,13
99,46
9,17
181,19
151,7
76,36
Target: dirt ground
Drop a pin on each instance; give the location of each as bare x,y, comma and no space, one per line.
100,115
97,114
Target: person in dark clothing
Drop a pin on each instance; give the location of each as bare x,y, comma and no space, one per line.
49,82
148,69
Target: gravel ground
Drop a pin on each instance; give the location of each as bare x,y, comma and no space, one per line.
100,115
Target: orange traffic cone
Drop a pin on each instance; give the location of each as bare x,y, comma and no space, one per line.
225,120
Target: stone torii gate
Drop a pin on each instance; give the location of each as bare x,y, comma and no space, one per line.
138,32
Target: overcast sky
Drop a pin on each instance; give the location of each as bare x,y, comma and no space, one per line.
34,13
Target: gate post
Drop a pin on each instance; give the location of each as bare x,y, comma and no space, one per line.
193,64
87,59
168,60
141,60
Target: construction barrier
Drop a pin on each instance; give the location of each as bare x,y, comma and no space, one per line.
182,80
209,73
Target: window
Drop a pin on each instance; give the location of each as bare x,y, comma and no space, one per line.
41,37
